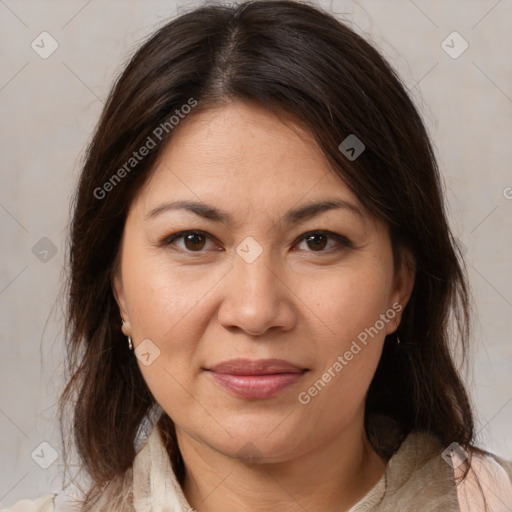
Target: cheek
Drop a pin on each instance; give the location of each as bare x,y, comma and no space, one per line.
167,307
166,314
346,304
348,338
164,297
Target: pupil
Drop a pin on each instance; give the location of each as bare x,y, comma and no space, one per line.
314,239
191,241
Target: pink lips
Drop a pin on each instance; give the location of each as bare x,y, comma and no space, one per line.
261,378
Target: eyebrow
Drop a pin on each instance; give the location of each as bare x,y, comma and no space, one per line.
295,215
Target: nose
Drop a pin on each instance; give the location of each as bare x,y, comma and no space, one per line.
255,299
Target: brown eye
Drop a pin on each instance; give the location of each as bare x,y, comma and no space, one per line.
194,241
317,241
323,242
189,241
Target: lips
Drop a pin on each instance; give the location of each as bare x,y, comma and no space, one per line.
256,367
256,379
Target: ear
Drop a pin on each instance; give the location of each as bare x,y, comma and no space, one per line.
403,284
118,290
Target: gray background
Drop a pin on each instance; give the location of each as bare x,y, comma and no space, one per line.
49,108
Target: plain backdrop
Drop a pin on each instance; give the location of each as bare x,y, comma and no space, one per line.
49,107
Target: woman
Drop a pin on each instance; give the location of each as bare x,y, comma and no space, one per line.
262,282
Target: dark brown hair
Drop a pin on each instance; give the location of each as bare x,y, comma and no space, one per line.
296,60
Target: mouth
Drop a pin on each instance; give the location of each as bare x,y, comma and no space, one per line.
256,379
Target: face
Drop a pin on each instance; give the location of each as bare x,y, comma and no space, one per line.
251,271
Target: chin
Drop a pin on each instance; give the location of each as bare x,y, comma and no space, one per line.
263,440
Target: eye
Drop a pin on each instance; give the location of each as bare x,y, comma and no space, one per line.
193,241
317,241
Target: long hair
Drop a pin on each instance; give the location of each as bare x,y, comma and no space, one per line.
300,62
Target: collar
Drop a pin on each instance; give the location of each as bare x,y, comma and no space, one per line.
155,486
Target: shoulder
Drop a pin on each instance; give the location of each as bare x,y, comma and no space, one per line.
489,477
506,465
425,469
45,503
51,502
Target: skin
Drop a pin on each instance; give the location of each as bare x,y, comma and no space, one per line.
201,303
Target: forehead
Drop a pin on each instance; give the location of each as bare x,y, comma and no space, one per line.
246,156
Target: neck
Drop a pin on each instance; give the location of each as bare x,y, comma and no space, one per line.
332,476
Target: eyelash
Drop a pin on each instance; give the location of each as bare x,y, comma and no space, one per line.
342,240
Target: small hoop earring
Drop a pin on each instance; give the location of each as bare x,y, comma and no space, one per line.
396,332
130,343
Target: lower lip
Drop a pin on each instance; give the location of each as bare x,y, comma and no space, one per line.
256,386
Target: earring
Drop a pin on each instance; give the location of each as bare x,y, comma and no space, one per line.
130,342
397,340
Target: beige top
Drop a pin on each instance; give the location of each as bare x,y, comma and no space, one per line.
416,478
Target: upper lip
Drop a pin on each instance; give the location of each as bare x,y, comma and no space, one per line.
256,367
